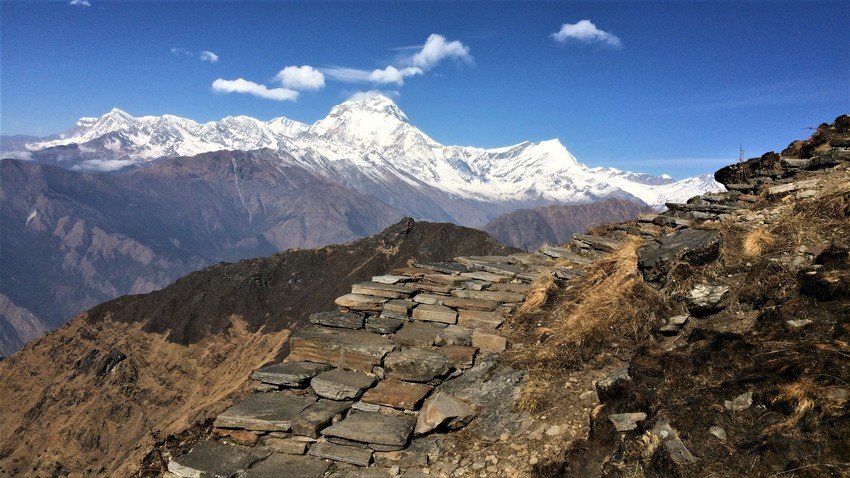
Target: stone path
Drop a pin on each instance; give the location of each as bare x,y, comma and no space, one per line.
362,380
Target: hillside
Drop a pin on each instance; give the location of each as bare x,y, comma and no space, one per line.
140,368
532,228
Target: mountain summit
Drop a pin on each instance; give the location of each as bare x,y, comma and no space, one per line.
371,145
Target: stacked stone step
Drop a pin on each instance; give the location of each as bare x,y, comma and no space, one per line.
365,379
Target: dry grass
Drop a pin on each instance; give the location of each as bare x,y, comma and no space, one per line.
757,241
534,390
537,296
612,300
799,396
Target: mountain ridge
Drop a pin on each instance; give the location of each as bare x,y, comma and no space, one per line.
375,137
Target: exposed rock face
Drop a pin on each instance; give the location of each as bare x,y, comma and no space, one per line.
694,246
532,228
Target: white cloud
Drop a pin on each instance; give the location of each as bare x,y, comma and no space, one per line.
301,78
102,165
19,155
208,56
365,95
426,57
586,32
241,85
81,3
436,49
392,74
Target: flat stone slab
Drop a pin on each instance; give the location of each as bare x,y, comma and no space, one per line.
429,299
348,320
398,308
488,342
397,394
433,287
346,454
367,473
694,246
289,374
448,279
519,288
273,411
383,325
341,384
377,428
278,465
378,289
390,279
531,258
214,459
351,349
317,416
486,276
416,334
566,254
416,365
435,313
288,445
494,295
474,304
361,302
478,319
462,356
604,244
444,267
454,335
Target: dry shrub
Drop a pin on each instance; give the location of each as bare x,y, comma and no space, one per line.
799,397
537,296
611,300
757,241
534,390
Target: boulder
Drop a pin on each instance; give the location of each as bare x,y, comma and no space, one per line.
289,374
694,246
377,428
443,409
397,394
417,365
705,299
341,384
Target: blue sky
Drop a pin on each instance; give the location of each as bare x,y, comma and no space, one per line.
654,87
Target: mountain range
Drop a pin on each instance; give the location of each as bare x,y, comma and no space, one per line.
121,204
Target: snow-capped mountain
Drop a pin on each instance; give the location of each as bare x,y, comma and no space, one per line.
370,145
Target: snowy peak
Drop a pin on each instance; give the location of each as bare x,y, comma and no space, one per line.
369,144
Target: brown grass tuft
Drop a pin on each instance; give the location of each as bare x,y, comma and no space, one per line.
757,241
534,390
799,396
611,300
537,296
